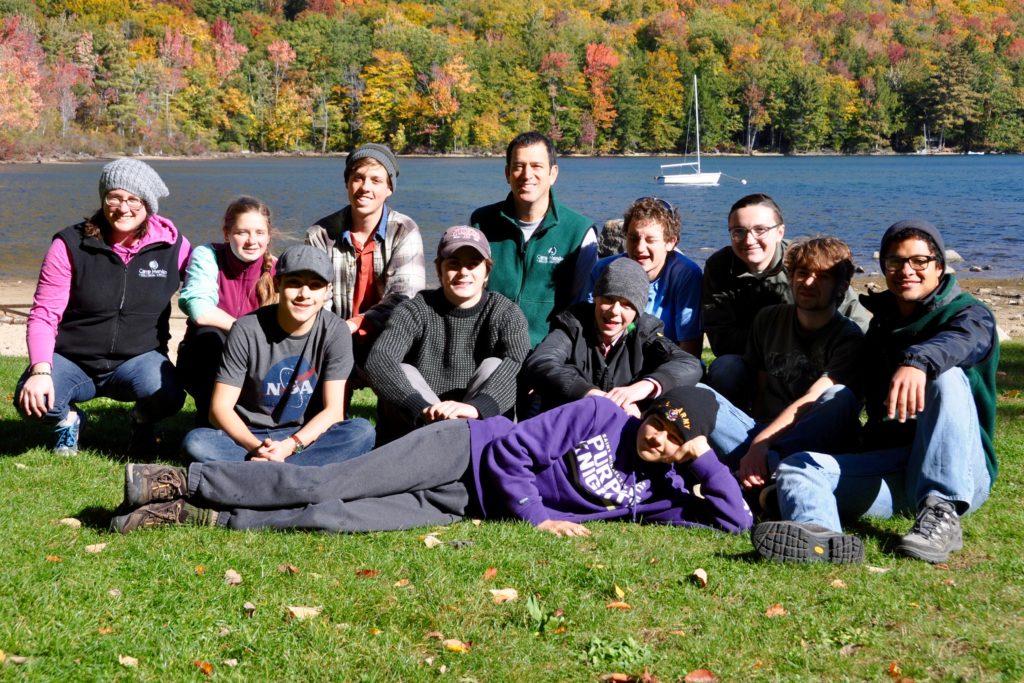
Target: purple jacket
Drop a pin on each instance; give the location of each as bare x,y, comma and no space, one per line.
578,462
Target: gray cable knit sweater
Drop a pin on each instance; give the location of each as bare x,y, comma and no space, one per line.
446,344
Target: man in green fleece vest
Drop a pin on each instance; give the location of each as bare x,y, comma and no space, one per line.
931,353
543,251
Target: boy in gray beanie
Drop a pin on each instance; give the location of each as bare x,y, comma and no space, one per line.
610,347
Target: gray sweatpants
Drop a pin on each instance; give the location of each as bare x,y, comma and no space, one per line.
417,480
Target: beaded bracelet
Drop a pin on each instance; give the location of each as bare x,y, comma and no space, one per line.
39,372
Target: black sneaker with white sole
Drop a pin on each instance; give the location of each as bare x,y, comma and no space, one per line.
936,532
796,542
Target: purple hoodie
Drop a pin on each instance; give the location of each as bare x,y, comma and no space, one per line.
578,462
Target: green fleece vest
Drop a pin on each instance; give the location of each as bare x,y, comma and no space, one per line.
982,377
537,275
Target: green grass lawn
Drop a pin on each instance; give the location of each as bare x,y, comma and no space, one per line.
160,597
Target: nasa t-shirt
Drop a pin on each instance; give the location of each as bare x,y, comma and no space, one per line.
280,376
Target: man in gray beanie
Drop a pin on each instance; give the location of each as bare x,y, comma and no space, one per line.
136,177
376,252
610,347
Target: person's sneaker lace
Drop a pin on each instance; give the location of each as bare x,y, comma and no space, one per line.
936,532
68,430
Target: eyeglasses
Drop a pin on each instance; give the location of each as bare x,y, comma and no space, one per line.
895,264
660,202
740,234
133,203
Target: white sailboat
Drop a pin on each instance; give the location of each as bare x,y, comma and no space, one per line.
695,177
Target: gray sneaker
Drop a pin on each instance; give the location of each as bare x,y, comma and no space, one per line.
153,483
936,532
796,542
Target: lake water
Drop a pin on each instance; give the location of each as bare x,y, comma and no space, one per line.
977,201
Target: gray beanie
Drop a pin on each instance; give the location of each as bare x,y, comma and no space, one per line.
137,177
624,278
379,153
915,225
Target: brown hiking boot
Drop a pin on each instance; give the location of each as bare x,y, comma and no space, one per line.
155,514
145,484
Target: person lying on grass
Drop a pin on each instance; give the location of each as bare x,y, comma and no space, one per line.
583,461
280,390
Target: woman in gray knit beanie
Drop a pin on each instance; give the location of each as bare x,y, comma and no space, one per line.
98,325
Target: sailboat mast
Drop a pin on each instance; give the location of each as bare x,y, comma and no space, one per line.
696,111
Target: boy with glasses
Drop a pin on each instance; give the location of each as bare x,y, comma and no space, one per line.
931,403
740,280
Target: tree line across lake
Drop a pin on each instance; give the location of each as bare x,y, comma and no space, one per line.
598,76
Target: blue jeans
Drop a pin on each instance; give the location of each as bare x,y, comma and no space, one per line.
149,380
830,421
342,441
730,376
946,459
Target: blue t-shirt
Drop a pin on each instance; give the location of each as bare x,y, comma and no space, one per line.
673,297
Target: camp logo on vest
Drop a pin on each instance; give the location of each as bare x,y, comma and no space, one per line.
596,474
550,257
288,387
153,270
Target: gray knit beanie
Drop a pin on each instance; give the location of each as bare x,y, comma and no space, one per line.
914,225
379,153
137,177
625,278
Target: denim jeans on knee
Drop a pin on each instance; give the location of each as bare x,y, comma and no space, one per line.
342,441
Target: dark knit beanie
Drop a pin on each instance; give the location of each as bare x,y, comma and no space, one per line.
379,153
137,177
624,278
691,410
919,226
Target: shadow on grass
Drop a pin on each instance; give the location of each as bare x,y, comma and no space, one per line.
95,517
1011,369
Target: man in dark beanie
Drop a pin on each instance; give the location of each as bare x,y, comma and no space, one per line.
584,461
376,252
929,373
609,348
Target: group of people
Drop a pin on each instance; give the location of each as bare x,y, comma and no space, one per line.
537,382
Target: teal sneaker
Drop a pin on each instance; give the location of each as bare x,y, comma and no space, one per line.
67,431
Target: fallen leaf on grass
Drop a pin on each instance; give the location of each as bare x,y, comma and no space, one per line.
367,573
678,632
619,593
878,570
17,659
95,548
849,649
433,634
200,570
618,604
490,573
776,610
203,666
375,631
71,522
54,558
476,522
125,660
232,578
699,577
455,645
224,631
104,630
500,595
300,613
618,677
21,465
941,566
838,583
232,663
949,582
3,656
288,569
114,592
700,676
401,583
432,541
249,609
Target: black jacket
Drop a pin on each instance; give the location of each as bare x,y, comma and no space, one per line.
568,362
